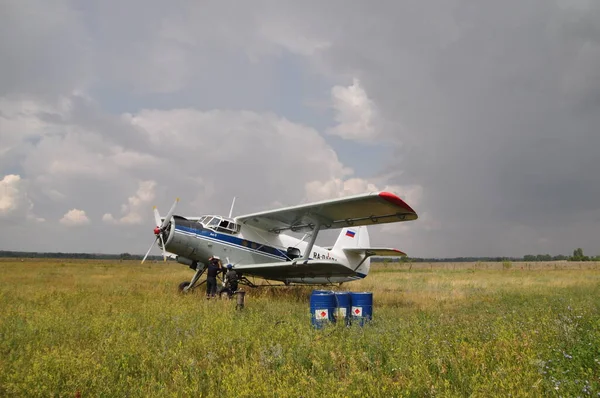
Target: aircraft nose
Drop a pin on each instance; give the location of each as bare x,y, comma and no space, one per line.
156,231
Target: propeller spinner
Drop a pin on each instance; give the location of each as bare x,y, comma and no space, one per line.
160,228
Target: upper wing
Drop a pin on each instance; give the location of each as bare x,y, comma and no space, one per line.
365,209
375,251
302,269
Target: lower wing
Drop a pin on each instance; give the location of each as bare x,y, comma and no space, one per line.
300,269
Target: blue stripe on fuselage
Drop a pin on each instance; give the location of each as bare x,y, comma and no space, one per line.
209,234
243,243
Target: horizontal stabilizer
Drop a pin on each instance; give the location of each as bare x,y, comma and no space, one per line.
375,251
298,269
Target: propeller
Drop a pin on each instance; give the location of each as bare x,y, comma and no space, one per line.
160,228
169,214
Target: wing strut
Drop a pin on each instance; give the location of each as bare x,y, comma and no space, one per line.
311,243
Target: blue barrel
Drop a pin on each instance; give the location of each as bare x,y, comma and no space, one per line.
343,306
322,307
362,307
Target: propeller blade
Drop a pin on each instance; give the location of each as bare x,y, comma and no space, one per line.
148,252
169,214
157,217
164,253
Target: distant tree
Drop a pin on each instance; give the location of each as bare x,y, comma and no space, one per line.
578,255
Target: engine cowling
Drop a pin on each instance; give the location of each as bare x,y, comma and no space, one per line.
185,261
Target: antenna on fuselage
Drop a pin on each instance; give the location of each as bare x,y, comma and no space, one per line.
231,210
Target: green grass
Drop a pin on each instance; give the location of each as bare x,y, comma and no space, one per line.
121,329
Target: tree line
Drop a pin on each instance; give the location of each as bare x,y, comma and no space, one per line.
577,256
85,256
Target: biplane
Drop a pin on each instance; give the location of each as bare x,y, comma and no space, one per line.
259,244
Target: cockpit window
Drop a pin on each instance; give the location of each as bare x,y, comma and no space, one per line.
219,224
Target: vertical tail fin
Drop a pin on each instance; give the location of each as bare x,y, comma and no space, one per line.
354,237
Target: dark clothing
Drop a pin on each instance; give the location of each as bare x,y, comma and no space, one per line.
232,280
211,286
231,276
213,270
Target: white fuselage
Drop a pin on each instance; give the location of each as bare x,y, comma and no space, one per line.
251,246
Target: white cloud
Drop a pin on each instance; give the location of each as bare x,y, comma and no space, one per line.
22,122
411,194
15,204
108,218
10,194
75,217
222,154
137,206
355,113
338,187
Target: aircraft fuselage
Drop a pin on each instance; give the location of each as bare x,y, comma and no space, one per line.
193,241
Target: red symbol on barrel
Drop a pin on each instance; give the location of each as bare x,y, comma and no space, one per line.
357,311
323,313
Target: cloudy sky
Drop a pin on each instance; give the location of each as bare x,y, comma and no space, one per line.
483,116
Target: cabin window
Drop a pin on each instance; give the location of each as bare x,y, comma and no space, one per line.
228,227
224,227
220,225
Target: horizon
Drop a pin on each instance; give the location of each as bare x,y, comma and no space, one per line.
482,117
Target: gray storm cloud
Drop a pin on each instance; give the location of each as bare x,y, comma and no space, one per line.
490,112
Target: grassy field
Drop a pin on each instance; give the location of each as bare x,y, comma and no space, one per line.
115,329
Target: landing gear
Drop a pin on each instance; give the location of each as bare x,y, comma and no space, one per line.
245,281
185,287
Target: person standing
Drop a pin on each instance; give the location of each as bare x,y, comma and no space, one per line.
214,267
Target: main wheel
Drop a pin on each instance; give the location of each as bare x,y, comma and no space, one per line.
182,286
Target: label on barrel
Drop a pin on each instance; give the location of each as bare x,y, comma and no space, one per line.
340,312
321,314
356,311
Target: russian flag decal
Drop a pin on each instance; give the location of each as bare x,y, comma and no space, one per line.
350,233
